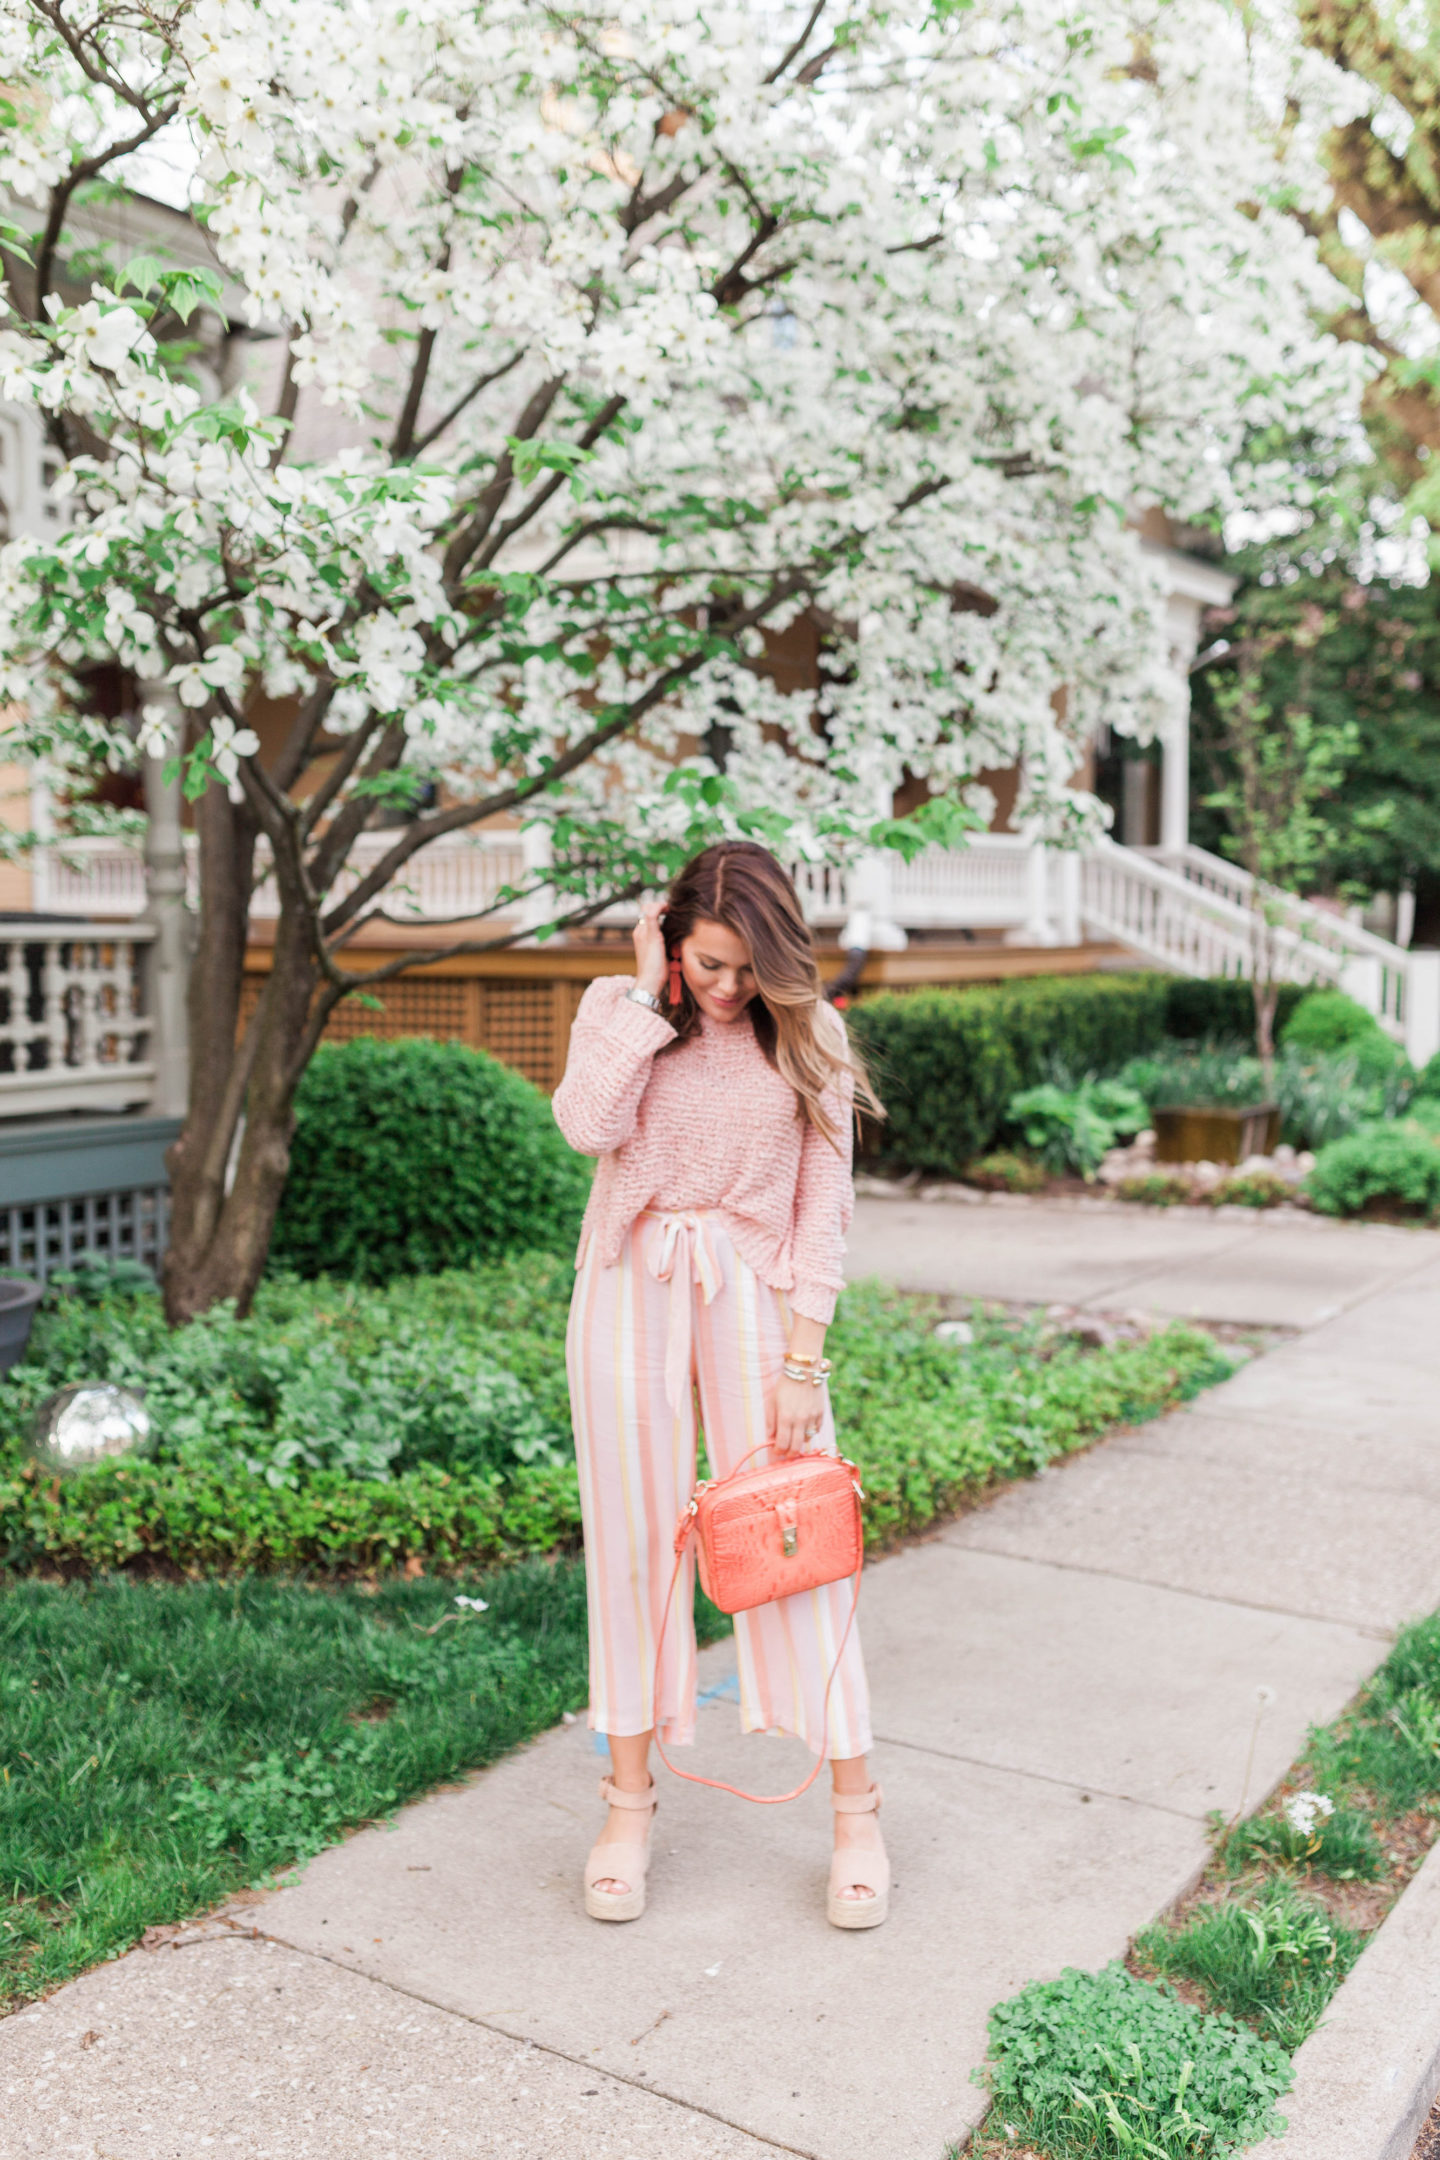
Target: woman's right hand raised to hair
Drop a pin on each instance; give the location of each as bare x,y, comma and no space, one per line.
651,958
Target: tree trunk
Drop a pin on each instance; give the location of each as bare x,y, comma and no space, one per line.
241,1086
1265,990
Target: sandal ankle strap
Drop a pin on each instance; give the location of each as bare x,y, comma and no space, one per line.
612,1793
857,1803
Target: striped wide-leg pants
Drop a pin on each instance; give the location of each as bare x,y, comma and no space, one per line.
679,1316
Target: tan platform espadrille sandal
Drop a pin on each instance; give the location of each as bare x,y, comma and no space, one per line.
858,1869
618,1861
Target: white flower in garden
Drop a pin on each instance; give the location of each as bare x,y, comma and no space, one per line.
472,1604
1306,1811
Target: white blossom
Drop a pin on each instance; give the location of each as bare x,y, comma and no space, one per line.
1307,1811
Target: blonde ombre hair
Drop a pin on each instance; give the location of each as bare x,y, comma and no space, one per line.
740,884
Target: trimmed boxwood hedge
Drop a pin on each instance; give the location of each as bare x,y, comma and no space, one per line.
1221,1008
946,1062
413,1156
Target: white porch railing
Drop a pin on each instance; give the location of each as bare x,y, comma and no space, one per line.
73,1030
1193,912
1000,881
457,876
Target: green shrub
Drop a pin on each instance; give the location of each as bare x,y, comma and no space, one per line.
1221,1009
1427,1087
1075,1128
1328,1020
413,1156
1390,1166
1102,2066
947,1062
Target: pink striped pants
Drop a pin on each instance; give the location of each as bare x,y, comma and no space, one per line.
681,1314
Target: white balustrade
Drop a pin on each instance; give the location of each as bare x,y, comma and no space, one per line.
74,1034
453,878
1197,914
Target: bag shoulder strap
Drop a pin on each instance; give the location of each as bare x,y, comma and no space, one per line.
693,1777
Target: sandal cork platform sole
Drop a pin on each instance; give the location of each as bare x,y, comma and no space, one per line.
621,1861
857,1870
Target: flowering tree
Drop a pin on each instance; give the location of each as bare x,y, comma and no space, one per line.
1370,117
644,329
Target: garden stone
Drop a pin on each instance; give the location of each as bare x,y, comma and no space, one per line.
958,1333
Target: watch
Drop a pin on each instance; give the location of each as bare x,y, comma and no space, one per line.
637,996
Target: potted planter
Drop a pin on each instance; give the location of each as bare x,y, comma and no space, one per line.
18,1300
1215,1132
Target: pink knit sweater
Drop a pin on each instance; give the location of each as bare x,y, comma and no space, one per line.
712,1125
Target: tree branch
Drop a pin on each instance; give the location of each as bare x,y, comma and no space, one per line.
799,45
424,830
607,414
487,505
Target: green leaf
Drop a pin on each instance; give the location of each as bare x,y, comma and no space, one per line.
186,290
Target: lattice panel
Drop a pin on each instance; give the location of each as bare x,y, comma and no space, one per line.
53,1234
425,1006
518,1026
524,1024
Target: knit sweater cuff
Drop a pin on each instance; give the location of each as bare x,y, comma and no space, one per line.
814,1301
638,1027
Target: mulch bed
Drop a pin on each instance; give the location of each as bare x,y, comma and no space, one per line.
1427,2145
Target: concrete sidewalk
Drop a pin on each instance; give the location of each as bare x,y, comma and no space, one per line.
1066,1682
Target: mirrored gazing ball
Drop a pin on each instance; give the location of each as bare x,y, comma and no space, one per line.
88,1422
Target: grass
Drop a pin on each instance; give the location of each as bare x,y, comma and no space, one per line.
1274,1960
165,1744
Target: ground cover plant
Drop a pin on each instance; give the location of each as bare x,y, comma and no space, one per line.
1083,2068
1095,2064
346,1427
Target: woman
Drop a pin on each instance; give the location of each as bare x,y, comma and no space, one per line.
717,1088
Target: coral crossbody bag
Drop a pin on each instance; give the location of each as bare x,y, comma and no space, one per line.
792,1525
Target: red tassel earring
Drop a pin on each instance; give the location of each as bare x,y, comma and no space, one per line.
674,979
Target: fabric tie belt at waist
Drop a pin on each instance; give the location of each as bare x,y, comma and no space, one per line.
680,1252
